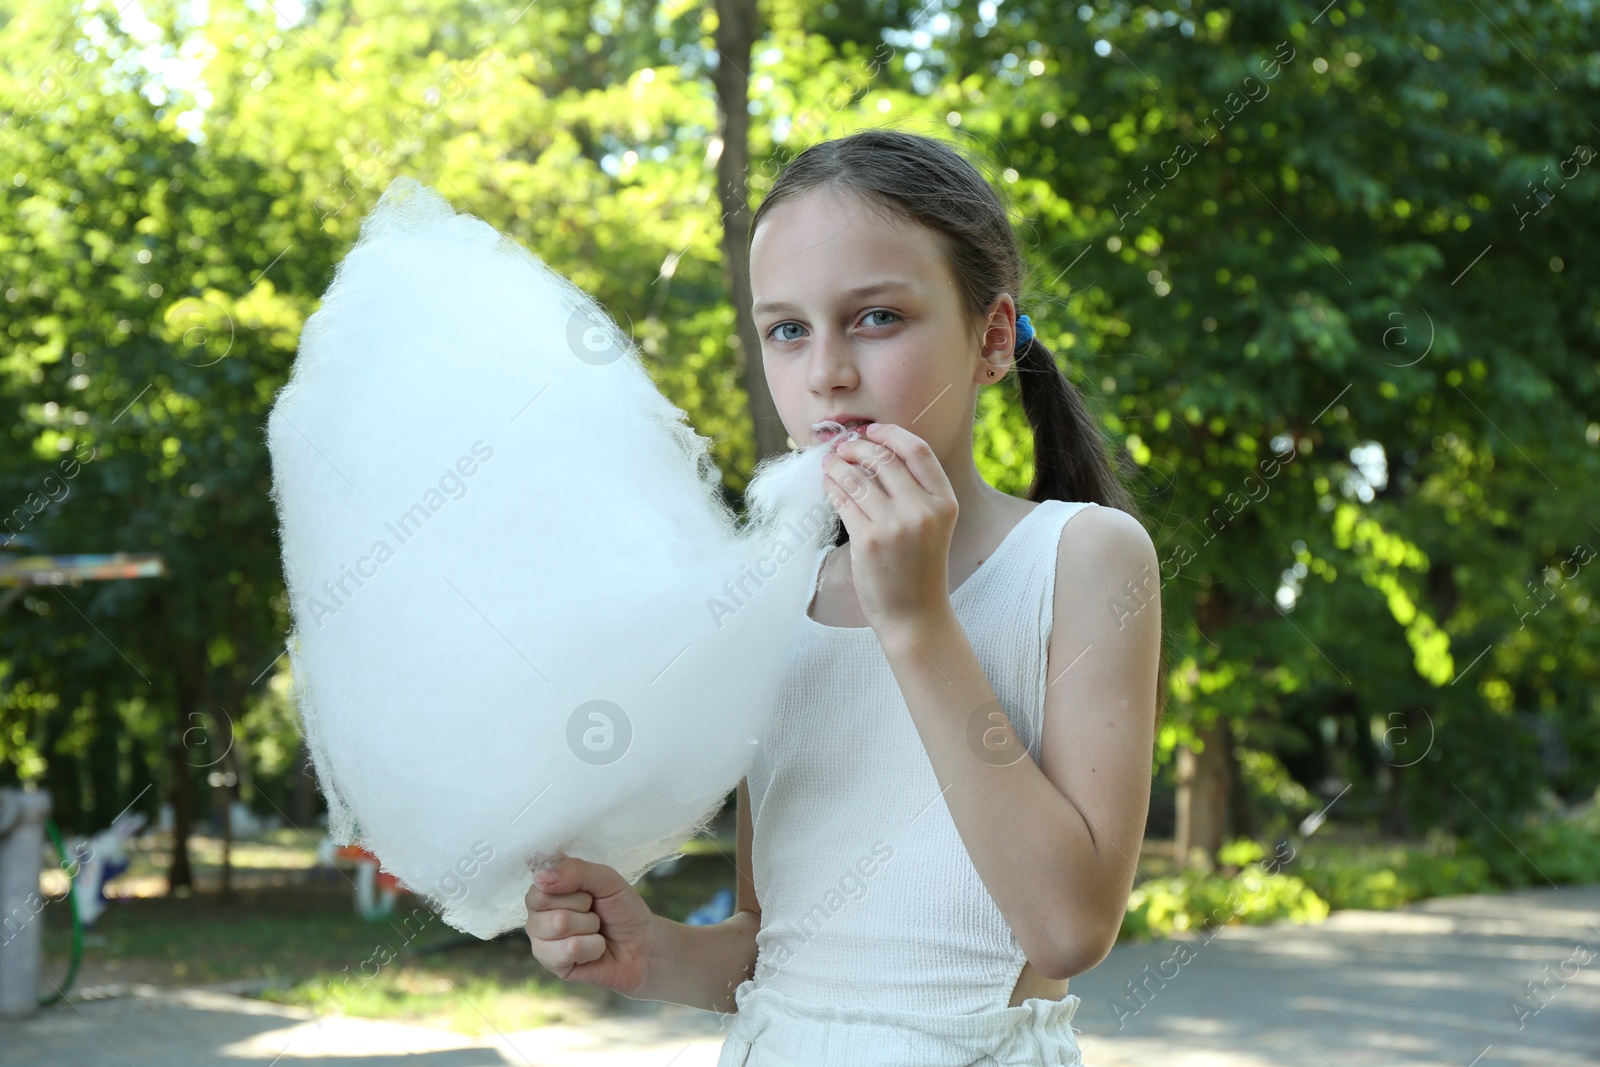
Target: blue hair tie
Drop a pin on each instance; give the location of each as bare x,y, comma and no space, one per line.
1024,332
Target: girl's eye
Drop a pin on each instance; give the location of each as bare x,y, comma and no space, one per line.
782,325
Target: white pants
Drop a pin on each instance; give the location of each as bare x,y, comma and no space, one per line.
773,1030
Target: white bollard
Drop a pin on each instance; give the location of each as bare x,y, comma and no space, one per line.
22,816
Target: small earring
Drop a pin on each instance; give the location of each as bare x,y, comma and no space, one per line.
991,372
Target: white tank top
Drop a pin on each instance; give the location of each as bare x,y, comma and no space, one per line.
868,895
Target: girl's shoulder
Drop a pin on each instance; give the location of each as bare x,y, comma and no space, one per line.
1102,521
1090,530
1101,548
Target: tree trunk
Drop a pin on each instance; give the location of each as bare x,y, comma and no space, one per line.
1205,778
1204,782
191,725
225,826
737,25
105,779
222,793
179,874
1241,821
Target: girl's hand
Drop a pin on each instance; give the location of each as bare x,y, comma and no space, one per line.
587,924
895,499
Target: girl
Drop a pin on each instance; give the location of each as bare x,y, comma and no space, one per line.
941,826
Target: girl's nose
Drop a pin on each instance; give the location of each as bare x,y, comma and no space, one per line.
832,364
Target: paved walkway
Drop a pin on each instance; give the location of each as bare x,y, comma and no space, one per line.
1442,984
1432,985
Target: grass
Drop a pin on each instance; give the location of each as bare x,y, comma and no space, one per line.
296,928
458,998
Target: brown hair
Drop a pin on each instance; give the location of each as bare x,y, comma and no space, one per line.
910,177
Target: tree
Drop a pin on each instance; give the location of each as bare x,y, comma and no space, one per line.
1294,253
1299,253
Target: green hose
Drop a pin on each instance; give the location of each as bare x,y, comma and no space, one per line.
77,924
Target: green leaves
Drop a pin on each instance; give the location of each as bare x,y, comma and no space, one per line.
1262,238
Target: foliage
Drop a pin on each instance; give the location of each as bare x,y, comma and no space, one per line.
1553,848
1196,901
1381,877
1278,800
1545,849
1325,273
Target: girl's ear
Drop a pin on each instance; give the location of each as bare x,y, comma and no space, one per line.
993,350
999,329
996,344
991,368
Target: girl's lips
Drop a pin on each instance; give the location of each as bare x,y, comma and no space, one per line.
827,430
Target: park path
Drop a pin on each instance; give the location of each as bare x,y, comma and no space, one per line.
1431,985
1441,984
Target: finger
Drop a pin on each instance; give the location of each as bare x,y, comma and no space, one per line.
869,455
585,949
547,873
560,923
577,901
569,873
858,487
560,957
552,877
916,454
884,465
848,511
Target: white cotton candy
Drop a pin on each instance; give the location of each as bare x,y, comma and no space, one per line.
525,622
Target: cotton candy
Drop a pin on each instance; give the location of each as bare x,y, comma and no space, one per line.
525,622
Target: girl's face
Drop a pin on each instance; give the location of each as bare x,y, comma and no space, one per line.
859,317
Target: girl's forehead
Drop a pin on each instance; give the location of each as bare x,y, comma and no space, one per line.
837,237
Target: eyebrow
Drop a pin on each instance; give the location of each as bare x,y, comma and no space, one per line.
873,289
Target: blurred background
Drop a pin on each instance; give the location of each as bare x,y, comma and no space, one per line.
1327,273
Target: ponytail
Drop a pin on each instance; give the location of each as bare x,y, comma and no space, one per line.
1070,460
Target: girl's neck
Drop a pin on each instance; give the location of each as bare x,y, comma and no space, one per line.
984,513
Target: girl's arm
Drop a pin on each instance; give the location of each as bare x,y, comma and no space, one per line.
1056,843
702,966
